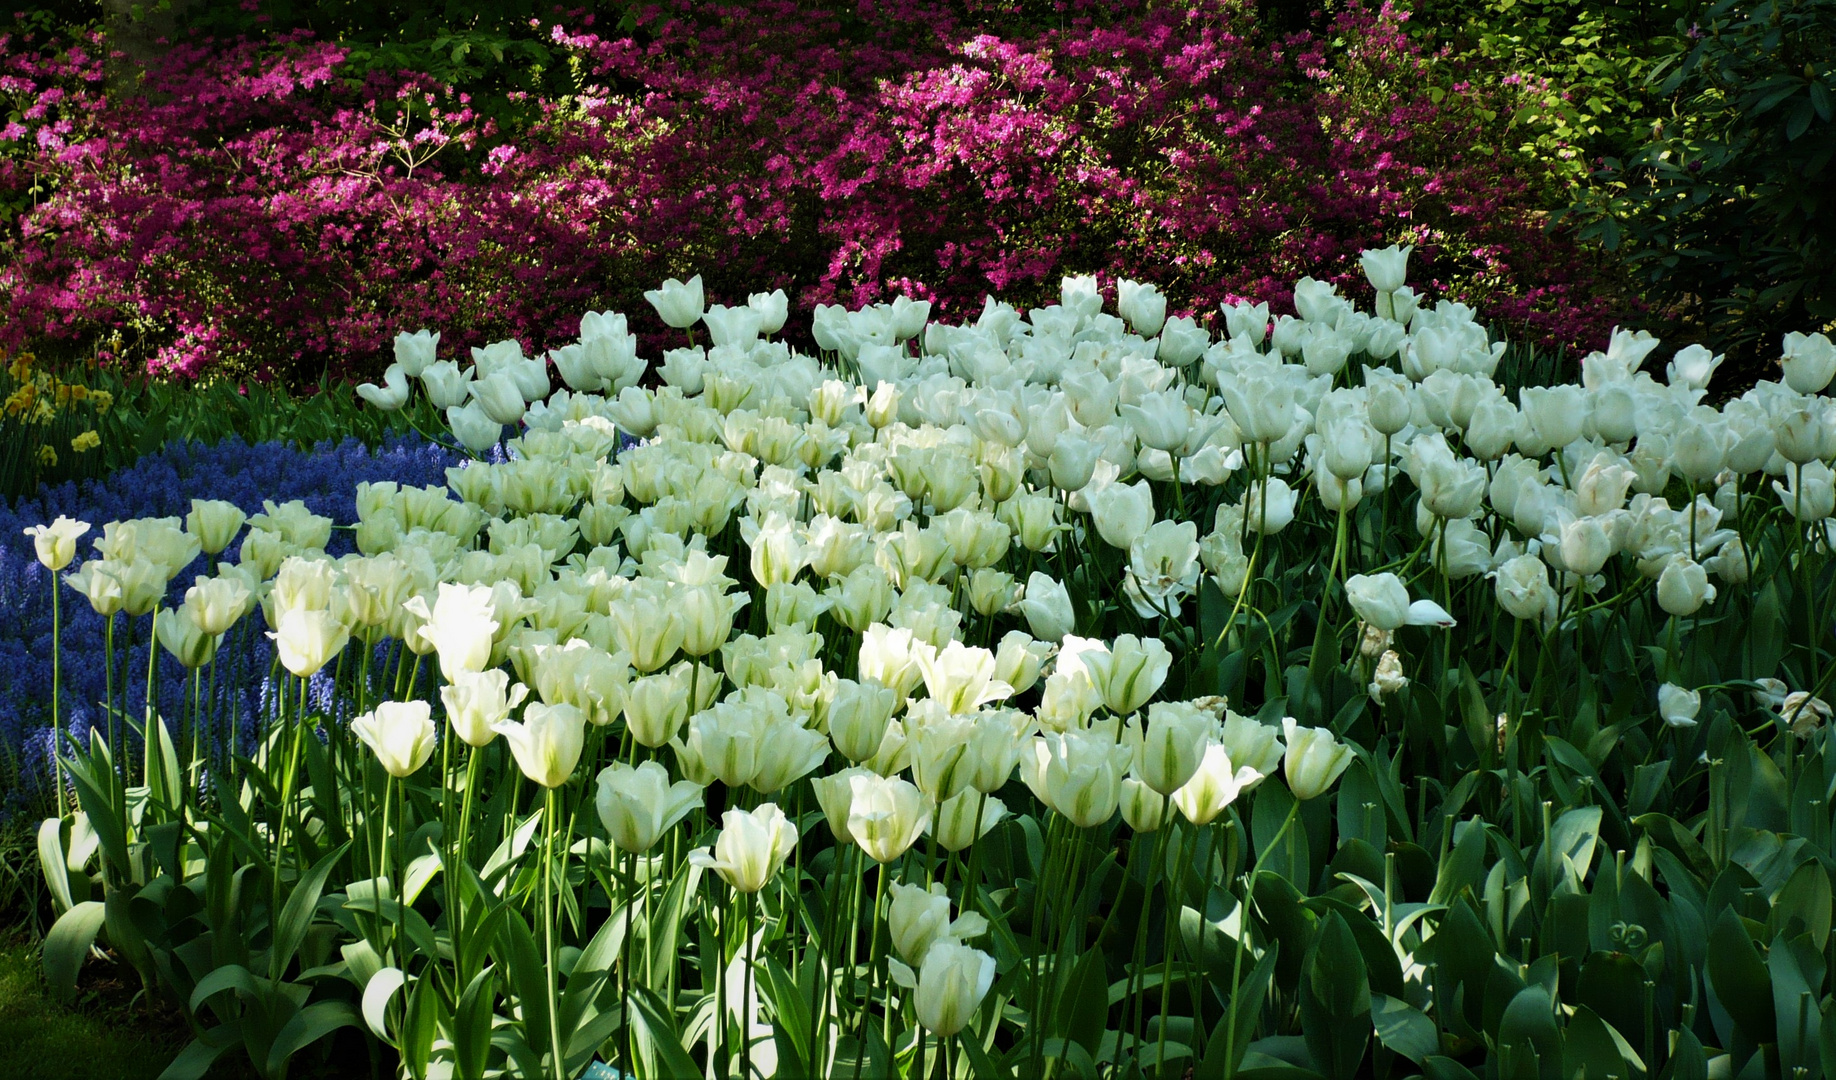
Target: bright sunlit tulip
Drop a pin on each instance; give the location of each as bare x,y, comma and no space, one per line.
400,734
750,848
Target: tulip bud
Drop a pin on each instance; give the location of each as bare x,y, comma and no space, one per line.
1684,586
477,701
752,845
956,824
547,743
1170,751
1678,706
949,985
1216,783
1314,759
638,805
886,815
184,639
214,523
679,305
1142,807
400,734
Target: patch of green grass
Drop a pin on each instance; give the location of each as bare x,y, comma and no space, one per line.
93,1040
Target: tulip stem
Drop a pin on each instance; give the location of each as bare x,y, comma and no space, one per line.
752,907
57,756
548,933
1166,967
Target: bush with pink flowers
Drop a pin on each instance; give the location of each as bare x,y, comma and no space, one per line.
264,206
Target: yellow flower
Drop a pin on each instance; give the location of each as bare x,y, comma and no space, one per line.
89,440
21,399
47,455
20,367
102,399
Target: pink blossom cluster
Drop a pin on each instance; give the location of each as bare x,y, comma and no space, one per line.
260,205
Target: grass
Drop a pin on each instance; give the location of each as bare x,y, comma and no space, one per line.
100,1038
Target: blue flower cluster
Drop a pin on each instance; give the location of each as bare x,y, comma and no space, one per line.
159,485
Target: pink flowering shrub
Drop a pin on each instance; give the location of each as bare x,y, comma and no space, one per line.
262,208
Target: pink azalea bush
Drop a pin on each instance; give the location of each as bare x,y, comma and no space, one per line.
260,202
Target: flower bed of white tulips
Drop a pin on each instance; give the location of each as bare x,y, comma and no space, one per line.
1062,694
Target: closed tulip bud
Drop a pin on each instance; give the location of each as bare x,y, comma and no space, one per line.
415,352
547,743
1386,268
789,752
184,639
1616,413
888,657
446,385
638,805
473,427
1122,512
955,823
1382,600
1216,784
1811,496
1692,367
214,523
949,985
392,394
1129,672
1388,401
750,849
858,716
1270,506
55,544
886,816
1072,462
1522,587
918,918
216,604
1798,435
477,701
1161,420
996,741
1678,706
308,638
1142,806
835,794
772,308
1809,362
1684,586
400,734
679,305
1314,759
1584,545
1142,305
939,745
499,397
647,628
1018,659
1077,773
1170,751
992,591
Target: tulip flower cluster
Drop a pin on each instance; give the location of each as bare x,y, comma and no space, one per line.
967,615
